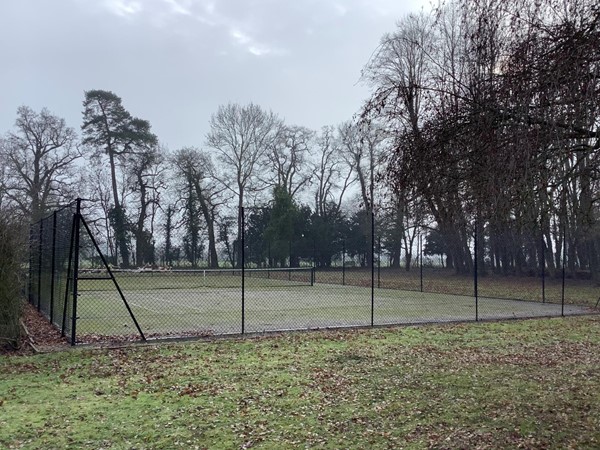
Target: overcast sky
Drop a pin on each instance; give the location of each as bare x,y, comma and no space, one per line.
173,62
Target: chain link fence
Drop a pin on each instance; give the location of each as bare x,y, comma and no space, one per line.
50,267
277,279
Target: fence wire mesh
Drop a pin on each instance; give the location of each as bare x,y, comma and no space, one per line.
277,278
50,264
34,266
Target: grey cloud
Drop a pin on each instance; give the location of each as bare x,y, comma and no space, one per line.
174,61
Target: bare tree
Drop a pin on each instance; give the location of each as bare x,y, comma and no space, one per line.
195,169
95,182
168,228
494,108
418,95
332,176
361,146
39,157
399,70
145,172
288,159
241,136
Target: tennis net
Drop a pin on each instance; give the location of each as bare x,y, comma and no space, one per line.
135,280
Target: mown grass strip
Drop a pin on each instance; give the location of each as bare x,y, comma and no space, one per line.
528,383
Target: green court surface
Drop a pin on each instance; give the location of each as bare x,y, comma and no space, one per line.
179,305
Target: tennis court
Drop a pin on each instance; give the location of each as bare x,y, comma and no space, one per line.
211,302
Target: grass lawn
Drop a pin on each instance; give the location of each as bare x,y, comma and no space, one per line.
533,384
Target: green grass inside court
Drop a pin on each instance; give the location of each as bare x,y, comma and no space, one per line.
181,305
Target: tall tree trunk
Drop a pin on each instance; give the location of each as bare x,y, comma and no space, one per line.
210,224
395,257
140,244
238,251
169,237
119,215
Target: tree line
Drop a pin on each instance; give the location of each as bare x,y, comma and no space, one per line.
483,119
493,108
151,205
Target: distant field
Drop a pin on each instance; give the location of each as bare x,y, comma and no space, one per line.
198,303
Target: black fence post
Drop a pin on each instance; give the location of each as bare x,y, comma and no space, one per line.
475,287
564,259
75,272
372,268
378,262
290,264
243,256
421,260
53,267
29,281
543,270
344,263
69,266
41,238
379,251
314,264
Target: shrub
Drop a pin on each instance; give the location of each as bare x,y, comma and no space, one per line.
12,247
